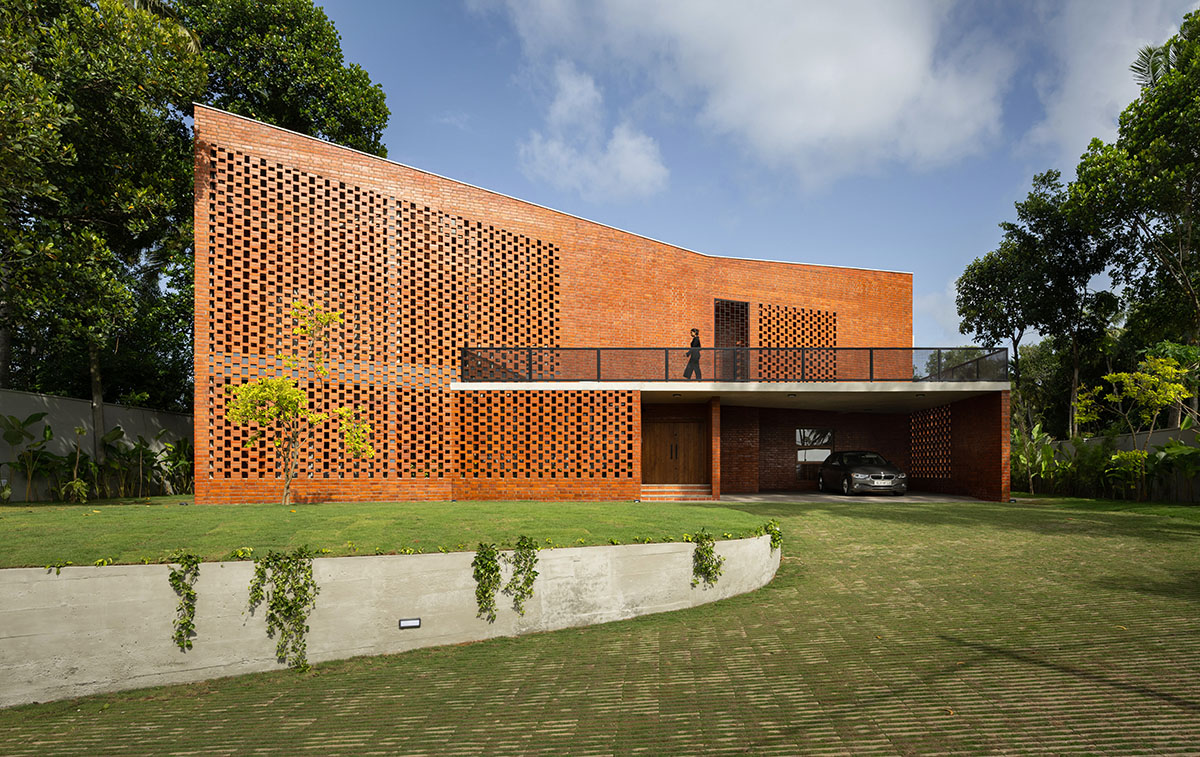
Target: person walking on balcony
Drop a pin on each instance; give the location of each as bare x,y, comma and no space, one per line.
693,355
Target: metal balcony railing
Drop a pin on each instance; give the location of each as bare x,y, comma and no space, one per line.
740,364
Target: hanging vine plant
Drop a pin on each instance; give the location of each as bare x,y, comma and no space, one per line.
524,561
285,581
706,565
486,569
772,528
183,582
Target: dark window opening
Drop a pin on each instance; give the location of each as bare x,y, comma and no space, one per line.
813,445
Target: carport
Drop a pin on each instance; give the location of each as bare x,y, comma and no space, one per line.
749,438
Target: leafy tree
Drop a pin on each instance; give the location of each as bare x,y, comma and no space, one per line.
1141,193
279,407
1052,231
281,61
125,79
997,297
1136,399
32,116
1039,278
1187,356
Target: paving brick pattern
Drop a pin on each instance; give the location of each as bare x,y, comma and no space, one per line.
891,628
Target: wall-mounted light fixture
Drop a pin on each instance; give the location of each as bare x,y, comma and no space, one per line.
406,623
791,396
676,395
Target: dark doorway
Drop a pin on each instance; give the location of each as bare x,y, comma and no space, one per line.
676,447
731,337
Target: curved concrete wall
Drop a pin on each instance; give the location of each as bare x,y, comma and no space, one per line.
92,630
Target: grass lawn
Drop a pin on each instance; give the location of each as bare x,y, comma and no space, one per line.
891,628
1187,512
137,530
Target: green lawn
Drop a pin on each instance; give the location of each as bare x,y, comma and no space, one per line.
137,530
1187,512
891,629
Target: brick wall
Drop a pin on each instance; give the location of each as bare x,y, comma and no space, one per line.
739,449
714,427
758,446
978,449
422,266
884,433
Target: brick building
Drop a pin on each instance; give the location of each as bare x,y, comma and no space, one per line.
504,350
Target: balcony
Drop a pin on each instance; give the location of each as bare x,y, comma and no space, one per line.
784,365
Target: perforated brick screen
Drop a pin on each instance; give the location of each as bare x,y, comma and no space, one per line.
786,326
931,443
414,285
548,435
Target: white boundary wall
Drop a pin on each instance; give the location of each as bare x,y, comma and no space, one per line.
91,630
65,414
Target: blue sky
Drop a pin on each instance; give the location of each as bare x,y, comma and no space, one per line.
884,134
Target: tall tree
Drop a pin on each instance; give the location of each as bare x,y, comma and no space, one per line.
1054,232
125,79
1039,278
281,61
276,60
32,116
997,297
1142,193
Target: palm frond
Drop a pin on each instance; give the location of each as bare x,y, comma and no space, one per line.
1148,67
166,11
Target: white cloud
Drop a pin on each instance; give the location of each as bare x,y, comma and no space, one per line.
825,89
1094,46
574,153
455,118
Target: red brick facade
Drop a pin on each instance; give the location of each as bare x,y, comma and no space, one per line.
422,266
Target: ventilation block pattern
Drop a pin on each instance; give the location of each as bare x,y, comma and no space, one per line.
931,443
790,327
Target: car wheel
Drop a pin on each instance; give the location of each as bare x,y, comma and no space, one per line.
846,486
820,482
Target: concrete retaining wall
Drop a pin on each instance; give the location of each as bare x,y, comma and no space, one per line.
93,630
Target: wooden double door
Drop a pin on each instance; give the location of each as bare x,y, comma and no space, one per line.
675,451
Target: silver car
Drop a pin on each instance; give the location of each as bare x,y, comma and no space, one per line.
859,472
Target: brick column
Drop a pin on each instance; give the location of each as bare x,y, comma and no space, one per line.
714,407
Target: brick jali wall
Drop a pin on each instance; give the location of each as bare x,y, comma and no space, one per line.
534,445
979,448
423,266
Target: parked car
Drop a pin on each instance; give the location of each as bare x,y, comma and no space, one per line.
860,471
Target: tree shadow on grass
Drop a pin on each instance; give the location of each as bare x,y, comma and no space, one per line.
1184,586
989,651
978,514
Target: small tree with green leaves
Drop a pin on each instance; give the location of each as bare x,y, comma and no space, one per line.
1136,401
1033,453
280,408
